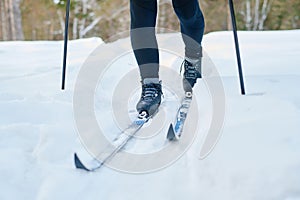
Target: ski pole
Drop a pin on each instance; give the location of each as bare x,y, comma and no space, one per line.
65,44
237,49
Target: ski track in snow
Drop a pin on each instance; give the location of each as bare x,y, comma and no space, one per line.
257,156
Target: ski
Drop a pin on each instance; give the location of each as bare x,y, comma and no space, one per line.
119,142
175,131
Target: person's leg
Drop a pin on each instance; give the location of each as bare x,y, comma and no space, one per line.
192,29
191,24
143,19
144,44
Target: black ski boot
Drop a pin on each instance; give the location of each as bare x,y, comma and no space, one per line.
192,71
150,98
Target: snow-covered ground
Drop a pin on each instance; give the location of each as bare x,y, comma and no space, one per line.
257,156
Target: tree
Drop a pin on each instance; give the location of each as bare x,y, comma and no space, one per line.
83,16
255,13
11,21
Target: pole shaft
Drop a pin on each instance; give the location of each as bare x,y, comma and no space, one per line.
65,44
237,49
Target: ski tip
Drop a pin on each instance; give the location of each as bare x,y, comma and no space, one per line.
78,163
171,133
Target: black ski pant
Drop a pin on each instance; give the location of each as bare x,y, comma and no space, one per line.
143,20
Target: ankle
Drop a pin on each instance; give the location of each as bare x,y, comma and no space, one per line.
151,80
191,60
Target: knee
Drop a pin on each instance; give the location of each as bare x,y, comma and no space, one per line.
189,13
143,13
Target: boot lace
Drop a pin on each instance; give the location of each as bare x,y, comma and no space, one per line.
150,92
190,70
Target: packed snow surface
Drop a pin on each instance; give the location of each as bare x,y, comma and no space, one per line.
257,156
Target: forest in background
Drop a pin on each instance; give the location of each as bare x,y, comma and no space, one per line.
44,19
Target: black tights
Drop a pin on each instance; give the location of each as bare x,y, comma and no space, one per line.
143,39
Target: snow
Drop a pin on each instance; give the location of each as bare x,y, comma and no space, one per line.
256,157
